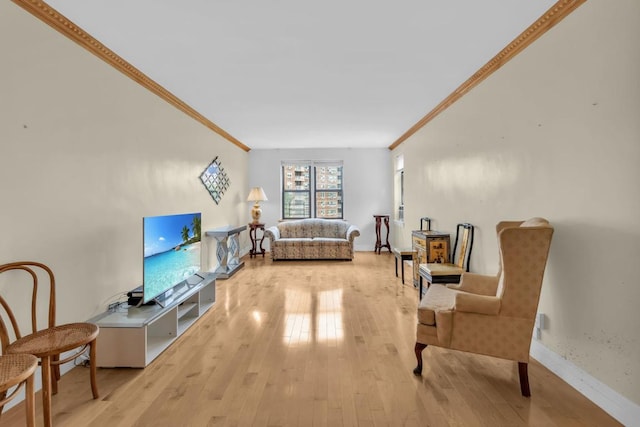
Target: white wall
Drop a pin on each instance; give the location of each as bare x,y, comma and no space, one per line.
367,185
85,154
554,133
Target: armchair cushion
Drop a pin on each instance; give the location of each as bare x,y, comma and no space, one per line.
438,298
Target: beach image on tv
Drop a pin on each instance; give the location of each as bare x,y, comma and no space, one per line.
171,251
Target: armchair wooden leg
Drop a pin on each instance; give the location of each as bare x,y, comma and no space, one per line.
418,349
524,379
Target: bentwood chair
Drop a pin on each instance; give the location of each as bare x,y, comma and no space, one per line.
491,315
450,272
50,343
17,370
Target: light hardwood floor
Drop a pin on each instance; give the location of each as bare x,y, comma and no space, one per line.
318,343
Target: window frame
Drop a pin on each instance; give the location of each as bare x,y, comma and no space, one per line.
284,191
313,191
339,191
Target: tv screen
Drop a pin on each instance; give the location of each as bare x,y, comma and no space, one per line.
171,253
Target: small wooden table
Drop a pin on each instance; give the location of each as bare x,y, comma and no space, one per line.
379,244
253,230
402,254
442,274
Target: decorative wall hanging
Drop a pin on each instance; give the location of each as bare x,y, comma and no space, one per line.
215,180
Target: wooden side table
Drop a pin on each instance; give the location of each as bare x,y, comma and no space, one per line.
379,244
253,231
402,255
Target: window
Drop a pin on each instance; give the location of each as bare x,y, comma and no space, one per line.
296,191
328,194
298,183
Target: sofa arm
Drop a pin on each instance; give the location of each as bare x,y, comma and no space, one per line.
272,233
479,284
352,233
481,304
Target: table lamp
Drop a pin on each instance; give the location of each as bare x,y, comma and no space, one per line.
256,195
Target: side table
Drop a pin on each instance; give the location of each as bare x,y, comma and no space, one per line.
253,231
402,255
228,250
379,244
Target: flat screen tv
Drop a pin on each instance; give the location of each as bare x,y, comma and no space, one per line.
171,255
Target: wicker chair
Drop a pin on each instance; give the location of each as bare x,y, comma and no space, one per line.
49,343
17,370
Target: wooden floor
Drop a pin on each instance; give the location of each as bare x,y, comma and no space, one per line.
318,343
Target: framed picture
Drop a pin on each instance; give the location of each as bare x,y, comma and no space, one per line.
438,251
215,180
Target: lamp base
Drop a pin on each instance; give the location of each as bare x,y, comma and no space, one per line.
256,212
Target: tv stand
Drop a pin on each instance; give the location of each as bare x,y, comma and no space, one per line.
134,336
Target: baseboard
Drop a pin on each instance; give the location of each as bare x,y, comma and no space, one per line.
612,402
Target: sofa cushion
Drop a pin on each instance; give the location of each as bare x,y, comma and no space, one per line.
289,241
332,240
313,228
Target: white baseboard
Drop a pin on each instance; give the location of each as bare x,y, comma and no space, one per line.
612,402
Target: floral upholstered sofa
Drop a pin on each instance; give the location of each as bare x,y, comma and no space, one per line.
312,238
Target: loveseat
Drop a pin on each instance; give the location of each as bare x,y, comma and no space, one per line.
312,238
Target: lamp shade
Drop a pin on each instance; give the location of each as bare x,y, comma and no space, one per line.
257,195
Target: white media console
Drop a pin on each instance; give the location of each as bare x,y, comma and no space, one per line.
135,336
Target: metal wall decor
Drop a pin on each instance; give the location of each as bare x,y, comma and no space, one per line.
215,180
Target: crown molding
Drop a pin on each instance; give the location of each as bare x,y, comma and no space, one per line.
53,18
548,20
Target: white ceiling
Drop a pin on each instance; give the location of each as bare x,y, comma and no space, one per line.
302,74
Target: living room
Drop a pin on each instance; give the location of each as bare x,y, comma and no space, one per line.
87,152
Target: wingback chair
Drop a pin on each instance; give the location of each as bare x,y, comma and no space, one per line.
491,315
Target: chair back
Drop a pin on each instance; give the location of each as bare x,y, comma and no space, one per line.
524,250
32,269
427,220
462,247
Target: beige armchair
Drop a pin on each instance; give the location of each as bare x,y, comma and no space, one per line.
491,315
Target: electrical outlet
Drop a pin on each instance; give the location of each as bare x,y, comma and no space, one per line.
539,325
540,320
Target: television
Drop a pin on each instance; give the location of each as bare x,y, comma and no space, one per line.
171,255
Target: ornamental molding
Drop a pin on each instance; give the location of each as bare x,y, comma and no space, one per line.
548,20
59,22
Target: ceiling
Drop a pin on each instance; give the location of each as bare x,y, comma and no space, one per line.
301,74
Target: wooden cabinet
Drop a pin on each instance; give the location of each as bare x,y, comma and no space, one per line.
429,246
